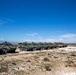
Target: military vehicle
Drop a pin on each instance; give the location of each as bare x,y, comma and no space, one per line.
7,47
60,44
27,46
39,46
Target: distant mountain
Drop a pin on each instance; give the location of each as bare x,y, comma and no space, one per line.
1,41
15,43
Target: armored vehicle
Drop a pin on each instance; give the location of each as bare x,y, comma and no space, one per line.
27,46
60,44
39,46
7,47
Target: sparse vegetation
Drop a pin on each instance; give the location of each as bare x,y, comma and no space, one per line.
28,61
3,68
46,59
47,67
13,63
73,54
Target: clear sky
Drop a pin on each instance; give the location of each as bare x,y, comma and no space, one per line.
38,20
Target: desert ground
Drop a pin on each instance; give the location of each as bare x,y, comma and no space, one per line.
60,61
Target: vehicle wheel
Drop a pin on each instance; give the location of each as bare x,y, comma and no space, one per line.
5,51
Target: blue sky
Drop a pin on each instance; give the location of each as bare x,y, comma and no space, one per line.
38,20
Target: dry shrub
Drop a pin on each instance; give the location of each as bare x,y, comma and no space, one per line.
73,55
46,66
46,59
13,63
28,61
3,68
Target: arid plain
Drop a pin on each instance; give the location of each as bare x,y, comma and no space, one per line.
60,61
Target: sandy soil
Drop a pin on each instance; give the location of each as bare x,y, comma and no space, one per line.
60,61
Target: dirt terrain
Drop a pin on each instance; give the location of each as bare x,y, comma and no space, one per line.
60,61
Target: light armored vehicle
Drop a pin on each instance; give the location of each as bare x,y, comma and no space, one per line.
7,47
